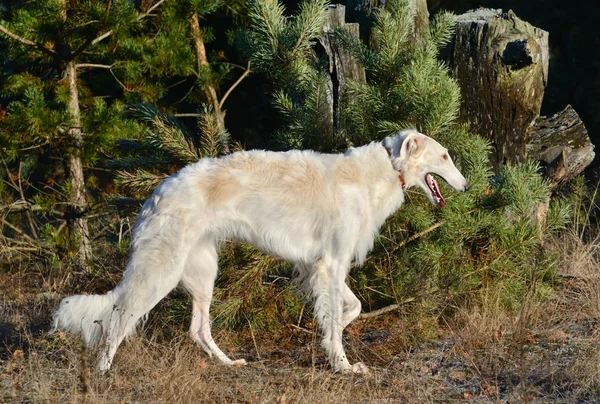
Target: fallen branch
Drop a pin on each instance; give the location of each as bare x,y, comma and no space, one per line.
379,312
22,206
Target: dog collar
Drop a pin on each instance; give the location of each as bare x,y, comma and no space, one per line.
400,176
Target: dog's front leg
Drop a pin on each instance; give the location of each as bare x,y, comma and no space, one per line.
329,308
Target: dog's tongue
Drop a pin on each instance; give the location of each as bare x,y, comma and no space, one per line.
435,190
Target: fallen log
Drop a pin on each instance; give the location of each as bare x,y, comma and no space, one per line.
561,144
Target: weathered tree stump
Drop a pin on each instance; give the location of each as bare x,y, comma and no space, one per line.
561,144
501,64
342,66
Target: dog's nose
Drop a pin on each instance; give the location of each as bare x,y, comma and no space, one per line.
466,187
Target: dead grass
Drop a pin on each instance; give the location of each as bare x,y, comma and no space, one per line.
547,349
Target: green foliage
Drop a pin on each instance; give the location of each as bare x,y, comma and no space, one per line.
165,147
491,236
252,289
282,49
407,85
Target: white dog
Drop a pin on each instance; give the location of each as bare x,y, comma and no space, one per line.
314,210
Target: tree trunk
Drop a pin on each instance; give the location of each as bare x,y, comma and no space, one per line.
501,64
421,13
78,225
342,66
211,92
361,11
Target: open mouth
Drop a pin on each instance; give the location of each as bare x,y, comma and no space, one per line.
435,190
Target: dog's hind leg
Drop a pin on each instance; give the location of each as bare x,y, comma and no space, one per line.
137,296
198,279
152,273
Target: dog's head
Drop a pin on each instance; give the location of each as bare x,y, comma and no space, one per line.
418,156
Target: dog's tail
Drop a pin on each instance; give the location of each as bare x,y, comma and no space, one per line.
87,315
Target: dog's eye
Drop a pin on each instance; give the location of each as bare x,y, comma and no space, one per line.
445,156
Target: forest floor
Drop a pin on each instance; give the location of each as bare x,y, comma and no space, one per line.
546,352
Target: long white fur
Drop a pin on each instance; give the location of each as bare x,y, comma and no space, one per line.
316,211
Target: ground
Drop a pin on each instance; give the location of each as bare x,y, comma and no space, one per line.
545,353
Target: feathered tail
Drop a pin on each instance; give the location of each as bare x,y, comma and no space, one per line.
88,315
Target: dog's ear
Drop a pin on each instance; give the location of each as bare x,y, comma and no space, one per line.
411,145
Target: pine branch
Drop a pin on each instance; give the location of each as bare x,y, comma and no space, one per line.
27,42
110,32
173,141
140,180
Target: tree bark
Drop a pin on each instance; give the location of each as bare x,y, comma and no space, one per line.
342,66
561,144
78,225
421,21
501,64
361,11
211,92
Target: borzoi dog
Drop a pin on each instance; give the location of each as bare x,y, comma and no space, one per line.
317,211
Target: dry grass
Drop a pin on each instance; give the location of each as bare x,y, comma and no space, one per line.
545,350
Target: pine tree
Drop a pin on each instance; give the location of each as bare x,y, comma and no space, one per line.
489,236
165,147
174,51
282,48
52,110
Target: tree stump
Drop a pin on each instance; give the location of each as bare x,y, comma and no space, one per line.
342,66
501,64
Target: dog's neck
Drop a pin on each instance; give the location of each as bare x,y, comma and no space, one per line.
400,176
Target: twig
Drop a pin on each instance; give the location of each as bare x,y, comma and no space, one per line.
301,329
234,85
93,66
405,242
37,146
384,310
254,340
565,275
18,231
21,249
32,226
379,312
22,206
190,115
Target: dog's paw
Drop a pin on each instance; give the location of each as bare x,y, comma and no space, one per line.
237,362
360,368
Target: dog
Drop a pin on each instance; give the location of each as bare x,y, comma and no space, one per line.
317,211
